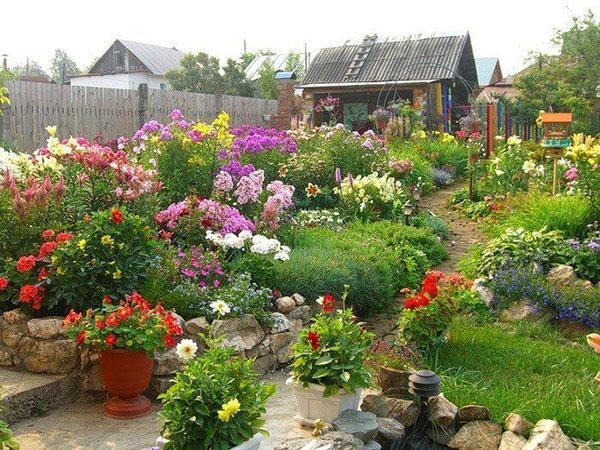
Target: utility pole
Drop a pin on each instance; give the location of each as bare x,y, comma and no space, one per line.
245,46
4,61
305,58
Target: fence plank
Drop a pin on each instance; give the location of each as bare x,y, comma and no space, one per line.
110,113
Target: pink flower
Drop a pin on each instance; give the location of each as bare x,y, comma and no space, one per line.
572,174
249,187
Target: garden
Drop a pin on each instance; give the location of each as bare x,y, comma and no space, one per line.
185,262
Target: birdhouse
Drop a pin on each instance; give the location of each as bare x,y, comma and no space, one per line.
556,131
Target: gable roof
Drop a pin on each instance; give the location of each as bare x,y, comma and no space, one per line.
158,59
485,69
414,60
253,69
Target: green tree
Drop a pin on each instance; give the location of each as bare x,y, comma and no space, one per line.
62,66
234,79
32,69
198,73
566,82
267,86
293,63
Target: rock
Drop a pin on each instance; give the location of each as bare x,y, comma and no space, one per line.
285,304
196,326
15,316
265,364
389,431
441,411
281,346
562,275
160,385
263,348
242,333
440,434
547,435
377,404
512,441
394,382
55,357
280,323
522,310
404,411
298,299
301,312
517,424
6,359
469,413
91,379
46,328
360,424
484,292
167,362
477,435
373,445
335,441
11,336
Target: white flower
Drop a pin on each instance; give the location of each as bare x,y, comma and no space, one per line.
220,307
528,166
319,301
245,235
281,256
51,130
186,349
539,170
232,241
514,140
499,172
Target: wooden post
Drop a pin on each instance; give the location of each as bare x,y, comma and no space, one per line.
142,104
489,130
218,103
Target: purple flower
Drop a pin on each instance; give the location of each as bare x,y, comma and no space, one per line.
223,182
176,115
594,246
166,134
249,187
338,175
236,170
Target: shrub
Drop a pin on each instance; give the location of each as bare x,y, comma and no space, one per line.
421,168
216,402
434,224
442,177
7,440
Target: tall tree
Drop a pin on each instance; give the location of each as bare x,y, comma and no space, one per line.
62,66
293,63
267,86
32,69
234,79
198,73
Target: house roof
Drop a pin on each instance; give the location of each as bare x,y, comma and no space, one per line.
158,59
485,69
253,69
410,60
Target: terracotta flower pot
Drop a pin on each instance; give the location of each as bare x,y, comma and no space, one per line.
126,375
393,382
381,123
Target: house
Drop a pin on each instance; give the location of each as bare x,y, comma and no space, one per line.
436,73
488,71
127,64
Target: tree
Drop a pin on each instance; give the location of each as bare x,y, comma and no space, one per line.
234,79
293,63
62,67
566,82
32,69
198,73
267,86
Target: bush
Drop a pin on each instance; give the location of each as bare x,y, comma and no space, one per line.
434,224
421,168
216,402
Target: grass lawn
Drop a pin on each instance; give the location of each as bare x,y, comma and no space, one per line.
526,368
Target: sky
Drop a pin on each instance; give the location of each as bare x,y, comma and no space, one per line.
509,29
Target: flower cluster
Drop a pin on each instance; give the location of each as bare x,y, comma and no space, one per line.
429,290
328,103
257,140
33,194
201,266
257,243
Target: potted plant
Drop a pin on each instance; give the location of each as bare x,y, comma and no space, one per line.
216,402
329,368
381,116
393,365
126,335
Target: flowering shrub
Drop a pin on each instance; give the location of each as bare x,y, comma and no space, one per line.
584,255
318,218
333,350
216,402
111,254
130,324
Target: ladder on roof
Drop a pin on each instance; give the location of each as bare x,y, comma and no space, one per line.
360,58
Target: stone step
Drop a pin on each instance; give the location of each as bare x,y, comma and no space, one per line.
25,394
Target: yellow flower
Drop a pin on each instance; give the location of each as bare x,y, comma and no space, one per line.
51,130
117,274
155,139
312,190
107,240
60,271
81,243
283,170
229,409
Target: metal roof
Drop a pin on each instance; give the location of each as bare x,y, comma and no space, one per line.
413,59
485,69
159,60
253,69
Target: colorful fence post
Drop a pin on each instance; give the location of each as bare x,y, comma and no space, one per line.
489,129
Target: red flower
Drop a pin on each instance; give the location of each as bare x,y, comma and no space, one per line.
116,216
110,340
3,284
107,300
112,320
71,318
124,312
430,287
32,295
26,263
63,237
42,274
417,301
169,340
139,301
164,234
313,338
328,303
48,235
100,324
172,324
80,339
87,218
47,248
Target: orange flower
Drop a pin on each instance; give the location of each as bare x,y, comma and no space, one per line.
116,216
594,341
26,263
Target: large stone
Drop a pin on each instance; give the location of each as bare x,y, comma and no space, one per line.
285,305
160,385
394,382
512,441
441,411
440,434
518,424
298,299
404,411
266,363
281,346
469,413
280,323
6,359
55,357
360,424
242,333
46,328
16,316
91,379
196,326
520,311
562,275
335,441
167,362
484,292
373,445
12,336
477,435
389,431
301,312
263,348
547,435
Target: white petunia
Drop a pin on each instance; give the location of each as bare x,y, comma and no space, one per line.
186,349
245,235
220,307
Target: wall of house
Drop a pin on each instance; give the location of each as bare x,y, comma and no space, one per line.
122,81
117,59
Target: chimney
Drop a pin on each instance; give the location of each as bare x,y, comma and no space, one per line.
286,83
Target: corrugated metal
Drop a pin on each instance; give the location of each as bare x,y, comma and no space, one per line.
253,69
433,58
159,60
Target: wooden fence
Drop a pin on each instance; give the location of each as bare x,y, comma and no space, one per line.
110,113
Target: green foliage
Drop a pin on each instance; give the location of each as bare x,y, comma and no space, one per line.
470,303
425,326
31,69
191,407
332,353
293,63
235,81
422,170
267,86
198,73
537,375
62,67
7,440
434,224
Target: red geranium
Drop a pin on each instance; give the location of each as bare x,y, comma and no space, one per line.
32,295
80,339
417,301
116,216
63,237
110,340
47,248
48,235
3,284
170,341
42,274
72,318
313,338
112,320
430,287
106,300
100,324
328,303
26,263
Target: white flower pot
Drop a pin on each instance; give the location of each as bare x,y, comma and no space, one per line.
312,405
251,444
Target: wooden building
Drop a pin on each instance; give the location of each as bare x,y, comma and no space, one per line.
435,73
